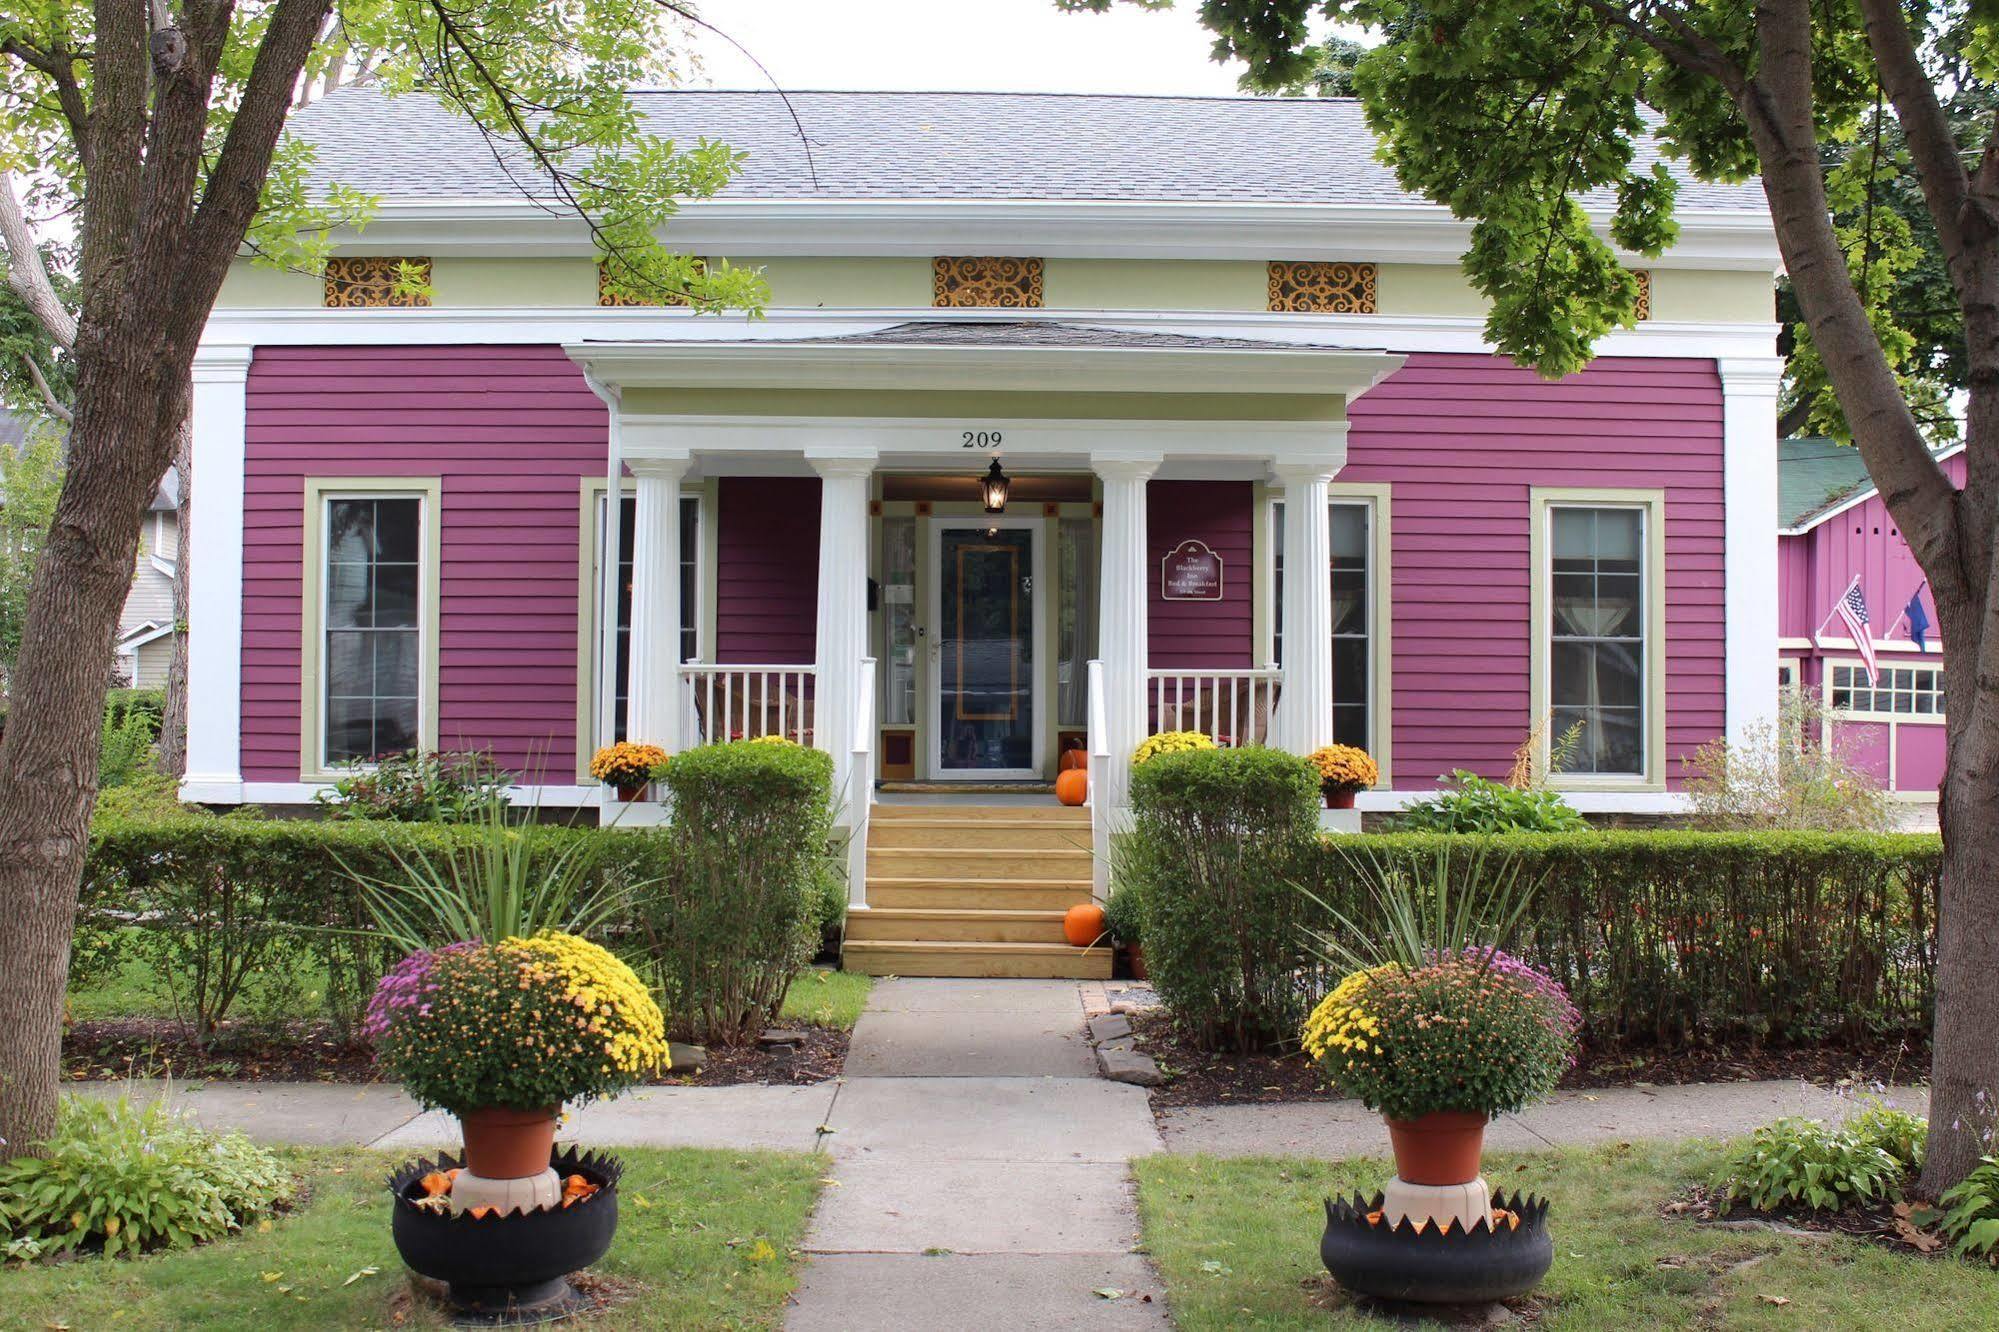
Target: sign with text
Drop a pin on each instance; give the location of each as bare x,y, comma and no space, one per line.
1191,572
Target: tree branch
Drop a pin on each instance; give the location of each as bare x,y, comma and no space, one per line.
56,64
1925,127
55,405
27,274
1693,52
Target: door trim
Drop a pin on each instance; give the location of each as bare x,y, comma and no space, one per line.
932,703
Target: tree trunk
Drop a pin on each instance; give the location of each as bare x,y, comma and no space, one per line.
48,756
171,758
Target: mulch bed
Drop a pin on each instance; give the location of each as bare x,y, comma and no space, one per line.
112,1051
1201,1078
1906,1227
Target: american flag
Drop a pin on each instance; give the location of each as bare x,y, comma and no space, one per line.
1852,609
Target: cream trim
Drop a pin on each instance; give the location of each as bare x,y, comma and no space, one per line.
1541,500
1892,719
312,643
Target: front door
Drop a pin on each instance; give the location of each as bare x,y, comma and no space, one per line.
985,671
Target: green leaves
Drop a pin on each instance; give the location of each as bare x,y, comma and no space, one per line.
1823,1167
1971,1210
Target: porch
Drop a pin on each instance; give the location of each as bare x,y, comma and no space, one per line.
963,633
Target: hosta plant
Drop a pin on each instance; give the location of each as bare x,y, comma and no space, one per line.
1820,1166
520,1024
1971,1211
1477,1031
125,1179
1170,742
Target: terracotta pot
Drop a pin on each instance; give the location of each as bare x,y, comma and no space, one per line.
508,1144
1340,797
630,794
1137,962
1441,1147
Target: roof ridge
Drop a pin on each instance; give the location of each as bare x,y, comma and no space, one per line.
1253,99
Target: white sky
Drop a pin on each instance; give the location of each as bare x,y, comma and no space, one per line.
961,45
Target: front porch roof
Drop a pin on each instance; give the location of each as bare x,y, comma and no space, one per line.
990,354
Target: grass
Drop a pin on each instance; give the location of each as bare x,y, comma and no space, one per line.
827,998
1237,1244
706,1239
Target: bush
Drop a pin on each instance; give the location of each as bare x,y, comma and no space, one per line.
1787,775
1670,936
126,1179
131,727
1124,913
1971,1210
1218,842
473,1025
1473,804
419,786
1815,1165
739,914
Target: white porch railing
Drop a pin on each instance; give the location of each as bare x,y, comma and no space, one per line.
1234,707
861,788
1099,765
744,702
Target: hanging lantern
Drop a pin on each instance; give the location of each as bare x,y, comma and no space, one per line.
994,485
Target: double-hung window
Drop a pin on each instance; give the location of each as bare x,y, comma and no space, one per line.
1598,630
1357,523
690,593
371,649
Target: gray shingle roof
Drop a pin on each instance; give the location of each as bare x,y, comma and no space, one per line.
895,145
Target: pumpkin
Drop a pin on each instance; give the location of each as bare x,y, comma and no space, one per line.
1075,757
1073,787
1084,925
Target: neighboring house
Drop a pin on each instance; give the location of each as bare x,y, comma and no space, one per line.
1175,322
146,627
1835,529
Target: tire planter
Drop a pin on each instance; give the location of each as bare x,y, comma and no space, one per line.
507,1271
1433,1266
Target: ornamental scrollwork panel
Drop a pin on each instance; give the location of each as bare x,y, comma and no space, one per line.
1644,306
1316,287
609,297
985,282
368,281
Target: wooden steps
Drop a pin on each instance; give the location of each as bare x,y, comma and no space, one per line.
974,890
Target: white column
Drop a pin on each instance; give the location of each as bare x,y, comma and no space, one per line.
1124,582
843,608
1749,387
1304,718
655,706
215,592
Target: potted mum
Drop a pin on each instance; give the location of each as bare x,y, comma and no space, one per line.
1344,770
628,766
504,1034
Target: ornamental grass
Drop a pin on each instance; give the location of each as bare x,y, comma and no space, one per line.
521,1024
1477,1031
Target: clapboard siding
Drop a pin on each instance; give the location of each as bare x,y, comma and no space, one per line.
767,570
1462,440
509,431
1217,635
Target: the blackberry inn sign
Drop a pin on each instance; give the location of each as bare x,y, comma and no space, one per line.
1191,572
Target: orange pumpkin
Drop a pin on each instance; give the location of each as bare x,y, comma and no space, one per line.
1084,925
1073,787
1076,757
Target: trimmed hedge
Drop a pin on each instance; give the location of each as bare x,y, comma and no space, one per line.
1220,838
1667,936
723,907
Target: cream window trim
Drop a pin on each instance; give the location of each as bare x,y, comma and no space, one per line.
1542,502
589,542
1377,497
319,492
1831,664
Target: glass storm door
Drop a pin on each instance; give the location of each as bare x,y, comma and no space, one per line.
987,674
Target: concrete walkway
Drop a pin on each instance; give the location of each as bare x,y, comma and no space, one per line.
981,1170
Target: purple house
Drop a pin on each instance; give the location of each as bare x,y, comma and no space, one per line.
1017,462
1837,536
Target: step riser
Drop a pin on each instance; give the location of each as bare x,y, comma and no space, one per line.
962,863
1051,813
1080,965
945,898
866,925
913,834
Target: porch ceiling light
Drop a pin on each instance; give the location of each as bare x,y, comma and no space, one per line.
994,486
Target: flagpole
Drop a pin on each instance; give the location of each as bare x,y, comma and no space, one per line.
1834,611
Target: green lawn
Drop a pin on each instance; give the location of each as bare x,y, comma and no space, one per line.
706,1239
827,998
1237,1243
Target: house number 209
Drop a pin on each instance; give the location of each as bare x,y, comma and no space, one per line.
981,439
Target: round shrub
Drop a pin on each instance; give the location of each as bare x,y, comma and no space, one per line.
521,1024
1481,1032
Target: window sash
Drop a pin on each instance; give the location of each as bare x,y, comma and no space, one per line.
1352,574
1897,693
1599,640
690,594
360,632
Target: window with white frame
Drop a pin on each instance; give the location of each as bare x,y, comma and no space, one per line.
1351,523
1910,692
371,626
690,591
1596,662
